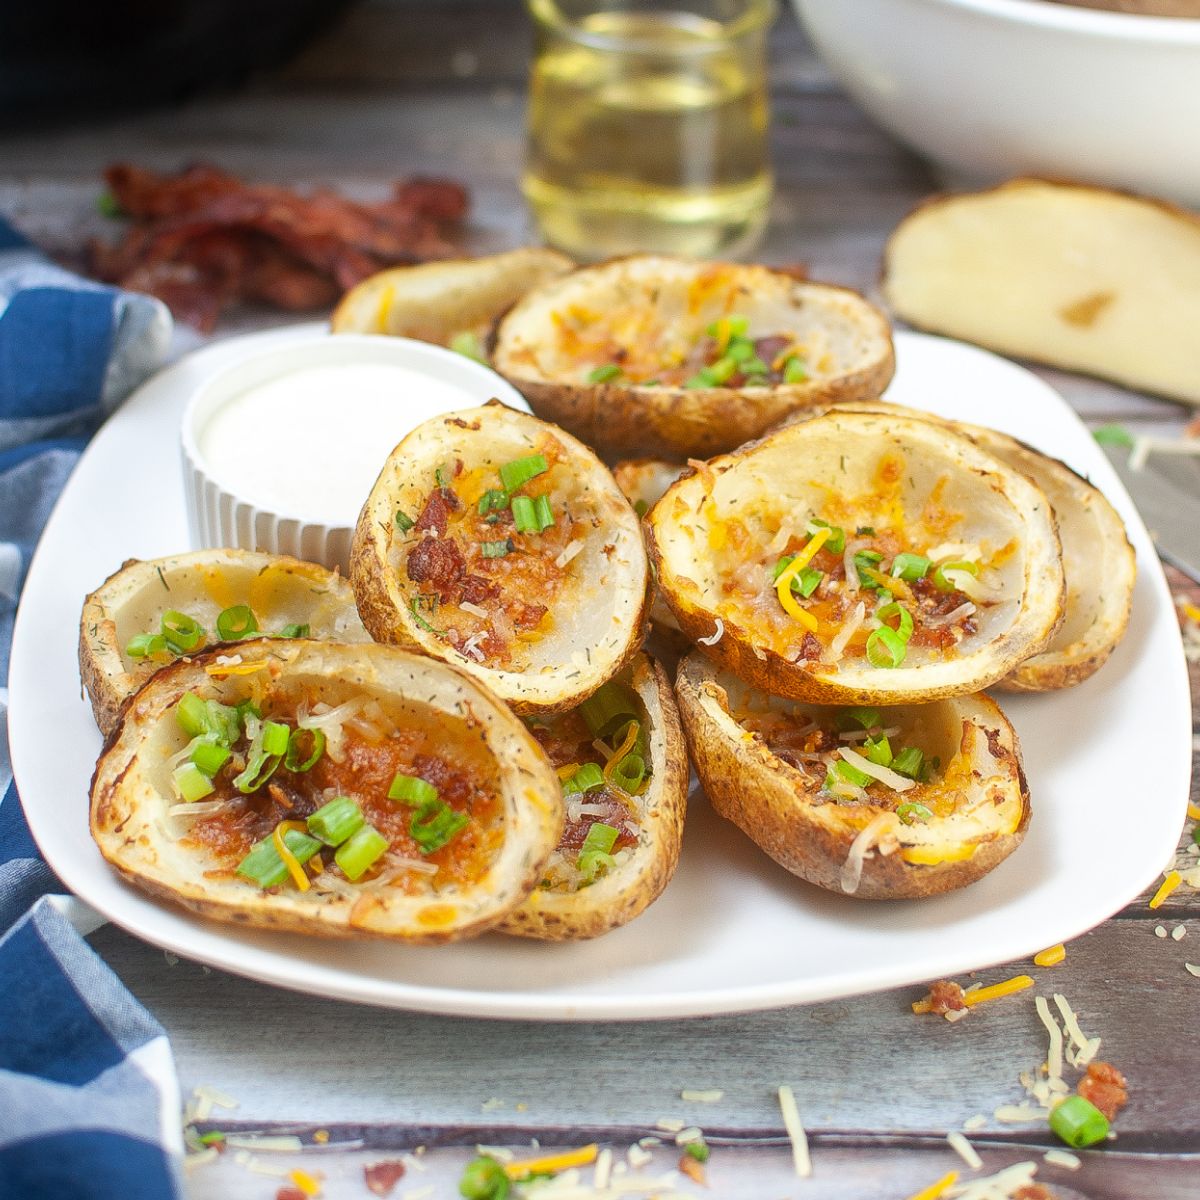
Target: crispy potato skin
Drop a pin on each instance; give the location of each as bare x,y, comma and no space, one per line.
773,804
101,655
616,899
673,422
126,808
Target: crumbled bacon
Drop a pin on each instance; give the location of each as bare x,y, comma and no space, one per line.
476,589
1104,1086
527,616
202,238
946,996
693,1170
436,513
290,1192
768,348
382,1177
1033,1191
615,814
437,562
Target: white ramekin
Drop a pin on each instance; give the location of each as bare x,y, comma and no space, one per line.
219,515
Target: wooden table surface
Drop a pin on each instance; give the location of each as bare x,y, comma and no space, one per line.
401,88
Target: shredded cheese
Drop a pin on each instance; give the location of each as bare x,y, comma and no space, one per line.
219,670
1050,957
1000,1186
630,740
934,1190
295,870
1168,885
1054,1055
885,775
305,1182
964,1150
715,636
795,1131
1194,811
552,1163
1018,983
852,868
851,626
1084,1048
783,585
710,1096
1062,1158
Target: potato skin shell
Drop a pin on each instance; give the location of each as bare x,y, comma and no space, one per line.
554,917
750,786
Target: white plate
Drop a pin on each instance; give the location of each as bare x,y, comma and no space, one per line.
733,931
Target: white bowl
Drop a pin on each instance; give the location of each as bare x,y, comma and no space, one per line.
994,88
326,457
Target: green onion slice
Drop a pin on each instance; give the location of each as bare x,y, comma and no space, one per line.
337,821
146,645
296,758
629,773
885,648
492,498
263,864
182,633
208,718
496,549
525,515
1079,1122
723,370
360,852
409,789
878,750
404,521
261,762
604,374
600,837
866,718
611,708
586,779
435,824
543,512
795,370
469,345
414,607
736,324
210,758
521,470
191,782
755,366
484,1178
741,350
237,622
697,1150
912,813
593,864
905,622
841,769
702,379
1113,435
294,631
945,585
909,761
835,543
910,567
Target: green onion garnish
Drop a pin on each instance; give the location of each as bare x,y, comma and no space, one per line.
435,824
755,366
543,512
420,620
629,773
492,498
867,718
360,853
146,645
294,631
209,758
336,821
442,476
521,470
600,837
867,558
641,507
910,566
409,789
404,521
107,205
835,543
484,1178
275,737
182,633
208,718
586,779
213,1138
469,345
795,370
904,623
697,1150
524,515
909,762
734,324
237,622
878,750
1113,435
702,379
266,752
295,758
885,648
912,813
939,578
604,374
803,584
496,549
191,782
741,350
263,864
1079,1122
611,708
865,531
723,370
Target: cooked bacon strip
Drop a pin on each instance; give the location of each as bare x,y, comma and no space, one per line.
437,562
436,513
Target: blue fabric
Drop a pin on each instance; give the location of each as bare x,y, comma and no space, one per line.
89,1102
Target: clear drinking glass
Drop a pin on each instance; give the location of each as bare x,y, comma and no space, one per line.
648,125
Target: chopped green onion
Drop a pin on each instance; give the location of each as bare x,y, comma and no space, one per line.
912,813
496,549
336,821
275,737
469,345
850,773
865,531
1196,835
611,708
360,853
702,379
755,366
237,622
740,349
795,370
734,324
492,498
263,864
908,762
247,708
629,773
261,762
213,1138
484,1178
200,718
803,584
1079,1122
420,620
521,470
404,521
592,864
885,648
409,789
295,631
835,543
182,633
146,645
905,623
723,370
868,558
293,760
641,507
939,577
697,1150
525,515
640,742
543,512
600,837
586,779
604,374
1113,435
867,718
910,566
191,782
209,758
878,750
107,205
435,824
442,476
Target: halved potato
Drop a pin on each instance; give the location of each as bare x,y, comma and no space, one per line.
1079,277
890,487
649,822
379,712
542,618
437,301
650,317
764,764
280,591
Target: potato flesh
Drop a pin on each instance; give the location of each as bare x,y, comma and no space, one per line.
1076,277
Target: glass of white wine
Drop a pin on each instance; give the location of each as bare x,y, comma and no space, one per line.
648,125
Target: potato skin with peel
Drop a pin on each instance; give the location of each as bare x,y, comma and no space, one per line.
832,458
781,810
856,360
280,590
624,893
130,795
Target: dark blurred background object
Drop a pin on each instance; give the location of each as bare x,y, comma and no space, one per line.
59,58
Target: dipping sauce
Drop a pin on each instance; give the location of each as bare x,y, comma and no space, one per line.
310,443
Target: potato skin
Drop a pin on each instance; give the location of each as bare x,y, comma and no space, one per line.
127,804
621,420
768,800
619,897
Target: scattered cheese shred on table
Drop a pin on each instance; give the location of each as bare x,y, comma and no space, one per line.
934,1190
1051,957
550,1163
305,1182
1168,885
1018,983
964,1150
795,1131
1192,969
1054,1055
711,1096
1062,1158
1194,811
978,1121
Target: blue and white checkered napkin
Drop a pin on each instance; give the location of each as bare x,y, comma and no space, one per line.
89,1100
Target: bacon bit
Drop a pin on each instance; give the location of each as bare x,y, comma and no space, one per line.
944,996
382,1177
1050,957
528,616
1168,885
287,1192
436,513
476,589
438,562
1104,1086
1033,1191
693,1170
